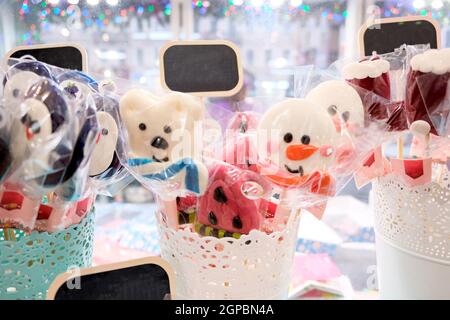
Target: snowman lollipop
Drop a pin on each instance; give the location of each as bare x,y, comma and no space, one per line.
341,102
300,144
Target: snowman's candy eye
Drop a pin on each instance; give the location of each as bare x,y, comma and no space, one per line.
105,132
346,116
306,139
332,110
142,126
288,137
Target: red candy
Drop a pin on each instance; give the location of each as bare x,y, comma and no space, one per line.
224,205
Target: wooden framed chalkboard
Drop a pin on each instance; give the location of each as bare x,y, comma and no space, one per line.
385,35
149,278
207,68
63,55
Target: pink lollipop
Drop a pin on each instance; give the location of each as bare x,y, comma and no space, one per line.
231,202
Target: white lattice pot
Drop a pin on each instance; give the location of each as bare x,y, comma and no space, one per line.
256,266
413,238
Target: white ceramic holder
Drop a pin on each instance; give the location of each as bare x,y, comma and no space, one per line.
412,227
255,266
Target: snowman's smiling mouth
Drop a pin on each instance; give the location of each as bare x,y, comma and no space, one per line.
295,171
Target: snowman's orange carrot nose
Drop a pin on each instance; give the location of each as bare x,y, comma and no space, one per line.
300,151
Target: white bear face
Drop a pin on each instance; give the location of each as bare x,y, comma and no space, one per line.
17,85
303,135
160,128
103,153
340,101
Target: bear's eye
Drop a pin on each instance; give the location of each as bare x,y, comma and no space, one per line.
237,222
332,110
105,132
16,93
212,218
142,126
167,129
306,139
288,137
346,116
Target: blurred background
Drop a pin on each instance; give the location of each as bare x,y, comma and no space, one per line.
123,37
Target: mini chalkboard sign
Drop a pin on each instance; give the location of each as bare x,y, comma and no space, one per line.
386,35
65,55
202,68
149,278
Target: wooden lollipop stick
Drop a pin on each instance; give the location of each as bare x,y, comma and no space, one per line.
400,148
421,129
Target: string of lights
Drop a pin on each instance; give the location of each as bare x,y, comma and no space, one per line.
35,15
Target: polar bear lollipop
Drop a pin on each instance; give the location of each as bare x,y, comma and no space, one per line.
161,132
301,139
340,101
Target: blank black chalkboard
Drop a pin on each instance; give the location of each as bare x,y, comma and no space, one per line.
389,34
144,281
204,68
63,56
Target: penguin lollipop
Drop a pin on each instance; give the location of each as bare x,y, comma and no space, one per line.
105,162
37,136
20,77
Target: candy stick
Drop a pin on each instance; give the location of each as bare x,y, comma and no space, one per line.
9,234
421,129
400,148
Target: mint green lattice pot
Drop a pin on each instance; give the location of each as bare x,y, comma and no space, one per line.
29,264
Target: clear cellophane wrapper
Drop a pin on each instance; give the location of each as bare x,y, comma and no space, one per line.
51,143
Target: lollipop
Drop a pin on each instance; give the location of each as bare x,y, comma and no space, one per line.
301,151
427,84
341,101
105,163
46,111
155,126
371,76
21,76
302,139
226,209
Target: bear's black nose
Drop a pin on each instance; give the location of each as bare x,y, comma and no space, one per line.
160,143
